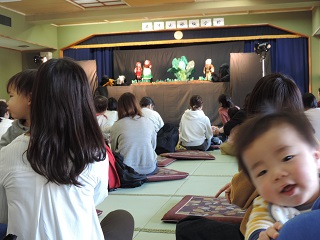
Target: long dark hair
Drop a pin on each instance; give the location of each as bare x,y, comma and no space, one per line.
64,134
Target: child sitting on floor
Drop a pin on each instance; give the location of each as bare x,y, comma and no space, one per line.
280,154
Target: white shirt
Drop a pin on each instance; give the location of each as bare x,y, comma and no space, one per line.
313,114
39,210
194,128
154,117
112,117
4,125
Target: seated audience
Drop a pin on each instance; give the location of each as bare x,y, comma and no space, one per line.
312,111
101,104
147,108
134,136
5,122
53,176
281,157
226,103
111,112
195,131
274,90
19,89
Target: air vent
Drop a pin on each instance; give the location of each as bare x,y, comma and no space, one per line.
5,20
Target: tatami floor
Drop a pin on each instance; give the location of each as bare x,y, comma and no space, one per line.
151,201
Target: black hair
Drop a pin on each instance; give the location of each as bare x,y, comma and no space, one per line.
276,90
22,82
225,101
253,128
3,109
112,104
100,103
196,102
309,101
146,101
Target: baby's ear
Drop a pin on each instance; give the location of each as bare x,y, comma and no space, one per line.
29,99
316,155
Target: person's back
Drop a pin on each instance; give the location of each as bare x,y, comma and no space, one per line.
147,108
312,112
111,112
134,136
226,103
195,129
53,211
52,177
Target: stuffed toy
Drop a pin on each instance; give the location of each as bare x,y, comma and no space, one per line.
110,83
146,73
138,71
121,80
208,69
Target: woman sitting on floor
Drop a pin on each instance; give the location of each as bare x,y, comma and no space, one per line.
195,131
134,136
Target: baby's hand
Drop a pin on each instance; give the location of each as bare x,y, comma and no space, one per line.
271,232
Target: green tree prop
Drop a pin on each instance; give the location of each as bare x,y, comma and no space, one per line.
181,68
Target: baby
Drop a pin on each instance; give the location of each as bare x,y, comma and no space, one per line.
279,153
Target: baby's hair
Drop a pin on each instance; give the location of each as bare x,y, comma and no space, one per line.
196,102
100,103
22,82
112,104
146,101
255,127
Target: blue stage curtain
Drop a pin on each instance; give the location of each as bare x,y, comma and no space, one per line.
103,57
288,56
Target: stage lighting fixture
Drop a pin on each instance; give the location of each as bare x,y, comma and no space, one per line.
38,59
260,48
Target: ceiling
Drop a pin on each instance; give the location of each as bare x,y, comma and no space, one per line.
67,12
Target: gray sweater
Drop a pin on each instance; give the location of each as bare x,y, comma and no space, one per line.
135,139
16,129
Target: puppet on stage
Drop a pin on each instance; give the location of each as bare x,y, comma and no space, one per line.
208,69
181,68
138,71
146,73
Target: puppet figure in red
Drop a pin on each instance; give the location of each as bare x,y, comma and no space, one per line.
138,71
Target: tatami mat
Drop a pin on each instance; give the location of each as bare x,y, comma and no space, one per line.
151,201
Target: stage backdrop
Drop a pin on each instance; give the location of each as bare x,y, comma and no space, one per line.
246,70
172,99
161,58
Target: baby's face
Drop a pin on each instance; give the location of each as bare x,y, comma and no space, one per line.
283,167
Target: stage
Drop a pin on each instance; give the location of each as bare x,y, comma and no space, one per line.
172,98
